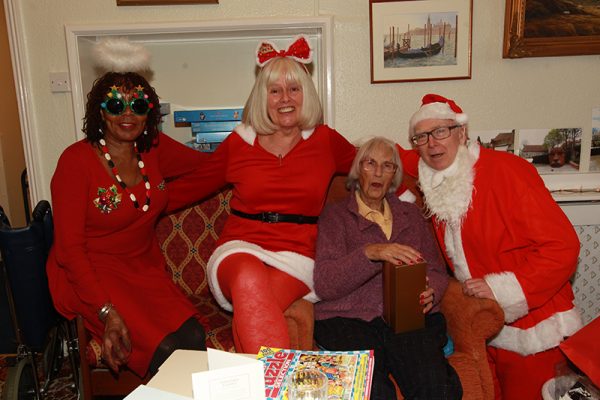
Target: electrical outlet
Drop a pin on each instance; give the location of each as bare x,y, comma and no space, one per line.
59,82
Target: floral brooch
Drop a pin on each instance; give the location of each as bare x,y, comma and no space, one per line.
108,199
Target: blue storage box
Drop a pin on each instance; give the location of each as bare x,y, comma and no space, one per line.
225,114
211,137
214,126
203,147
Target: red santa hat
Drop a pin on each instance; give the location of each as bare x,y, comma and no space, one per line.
435,106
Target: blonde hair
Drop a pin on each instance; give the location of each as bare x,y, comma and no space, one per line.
364,151
255,111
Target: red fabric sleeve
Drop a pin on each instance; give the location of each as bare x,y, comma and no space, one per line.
533,216
343,152
175,159
206,177
70,188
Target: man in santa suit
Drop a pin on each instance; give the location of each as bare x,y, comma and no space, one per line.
505,238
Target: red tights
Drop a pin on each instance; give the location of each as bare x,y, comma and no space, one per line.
260,294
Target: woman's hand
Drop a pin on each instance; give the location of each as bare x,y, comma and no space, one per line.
427,297
393,252
478,288
116,346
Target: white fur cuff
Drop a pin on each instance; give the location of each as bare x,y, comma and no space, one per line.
509,295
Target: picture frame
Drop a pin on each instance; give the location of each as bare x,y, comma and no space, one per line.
519,43
420,40
163,2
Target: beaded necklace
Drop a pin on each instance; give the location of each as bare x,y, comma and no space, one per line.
142,167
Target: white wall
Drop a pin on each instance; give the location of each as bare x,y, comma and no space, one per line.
523,93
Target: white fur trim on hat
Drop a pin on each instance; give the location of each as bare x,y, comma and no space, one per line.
296,265
121,55
435,111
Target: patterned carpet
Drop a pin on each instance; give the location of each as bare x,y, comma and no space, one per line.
61,388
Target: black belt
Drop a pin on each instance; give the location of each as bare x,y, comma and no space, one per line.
273,217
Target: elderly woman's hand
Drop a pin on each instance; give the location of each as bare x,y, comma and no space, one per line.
393,252
426,299
116,346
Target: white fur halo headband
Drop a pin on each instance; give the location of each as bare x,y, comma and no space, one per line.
118,54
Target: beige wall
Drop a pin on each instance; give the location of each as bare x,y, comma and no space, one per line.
12,160
524,93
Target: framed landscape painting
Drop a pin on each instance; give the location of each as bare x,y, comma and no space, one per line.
422,40
541,28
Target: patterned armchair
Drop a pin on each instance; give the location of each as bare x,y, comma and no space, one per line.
187,239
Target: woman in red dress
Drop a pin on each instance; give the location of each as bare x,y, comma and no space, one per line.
108,191
280,161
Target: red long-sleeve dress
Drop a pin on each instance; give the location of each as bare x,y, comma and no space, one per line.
262,182
105,250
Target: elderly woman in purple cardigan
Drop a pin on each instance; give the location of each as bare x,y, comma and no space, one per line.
355,237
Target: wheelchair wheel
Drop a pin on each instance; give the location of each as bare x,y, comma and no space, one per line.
21,384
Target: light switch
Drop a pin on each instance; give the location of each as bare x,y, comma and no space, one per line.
59,82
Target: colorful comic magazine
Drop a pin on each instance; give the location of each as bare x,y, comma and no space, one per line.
349,372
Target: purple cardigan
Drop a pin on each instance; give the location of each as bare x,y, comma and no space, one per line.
348,283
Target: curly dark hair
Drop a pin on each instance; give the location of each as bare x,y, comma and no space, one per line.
93,124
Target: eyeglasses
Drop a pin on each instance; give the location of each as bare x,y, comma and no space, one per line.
115,104
371,165
442,132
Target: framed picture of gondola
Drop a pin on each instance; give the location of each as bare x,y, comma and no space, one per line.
543,28
420,40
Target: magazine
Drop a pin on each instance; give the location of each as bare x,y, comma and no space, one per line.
349,372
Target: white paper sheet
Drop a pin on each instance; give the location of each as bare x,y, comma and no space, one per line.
230,376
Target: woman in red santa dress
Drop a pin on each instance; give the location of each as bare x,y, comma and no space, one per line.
280,161
108,191
505,238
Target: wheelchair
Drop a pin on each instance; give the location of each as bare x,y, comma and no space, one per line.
43,337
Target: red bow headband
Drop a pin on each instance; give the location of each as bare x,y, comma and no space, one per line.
299,50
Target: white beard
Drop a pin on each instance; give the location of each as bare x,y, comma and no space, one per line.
448,192
448,195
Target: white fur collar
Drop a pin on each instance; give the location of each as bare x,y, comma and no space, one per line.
248,134
448,192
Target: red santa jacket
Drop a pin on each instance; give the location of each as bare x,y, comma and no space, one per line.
515,236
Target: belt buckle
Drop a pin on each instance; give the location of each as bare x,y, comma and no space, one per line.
270,217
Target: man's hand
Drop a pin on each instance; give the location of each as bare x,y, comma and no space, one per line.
116,345
478,288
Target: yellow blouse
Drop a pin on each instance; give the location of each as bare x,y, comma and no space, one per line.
384,220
